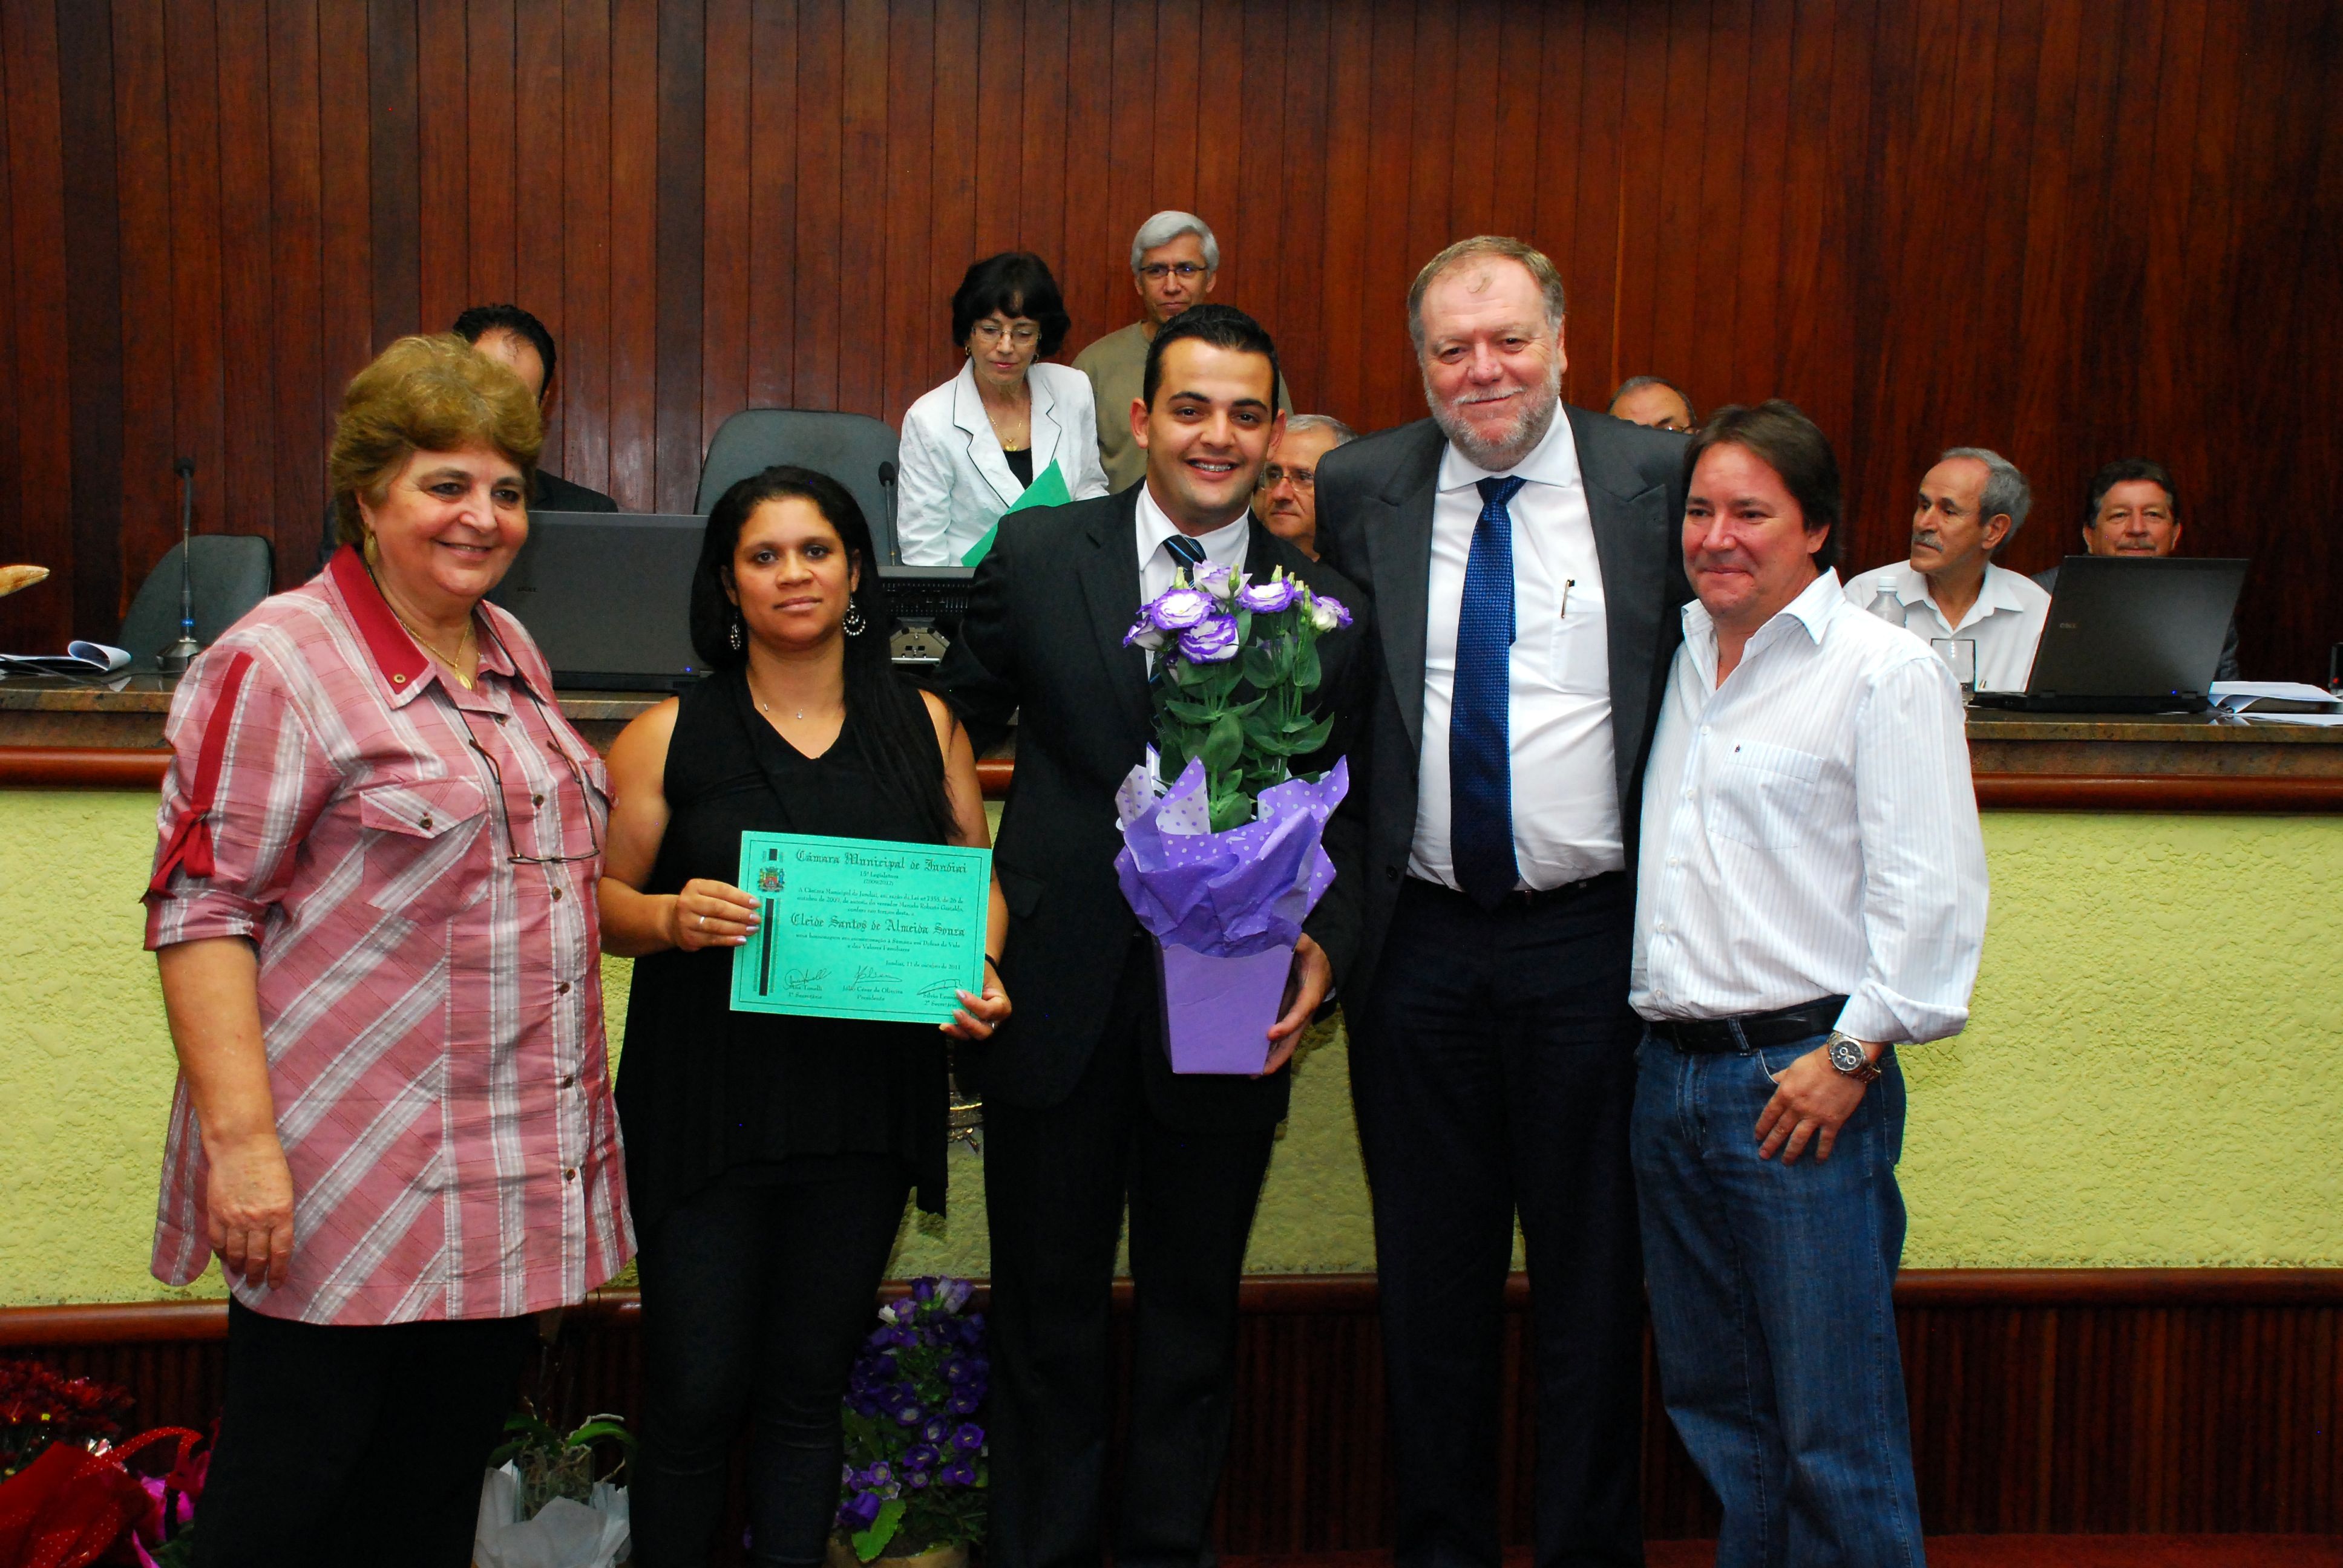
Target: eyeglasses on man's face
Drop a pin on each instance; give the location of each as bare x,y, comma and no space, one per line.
1299,478
1154,271
1023,334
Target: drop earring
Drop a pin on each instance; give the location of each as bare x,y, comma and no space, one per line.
737,635
855,623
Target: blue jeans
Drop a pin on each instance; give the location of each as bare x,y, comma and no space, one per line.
1771,1289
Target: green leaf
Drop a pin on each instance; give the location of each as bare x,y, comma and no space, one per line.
1261,666
1312,738
868,1543
1224,743
1306,670
1194,712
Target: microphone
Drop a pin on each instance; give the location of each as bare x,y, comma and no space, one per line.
174,659
887,483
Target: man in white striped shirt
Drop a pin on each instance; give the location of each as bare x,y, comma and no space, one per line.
1811,894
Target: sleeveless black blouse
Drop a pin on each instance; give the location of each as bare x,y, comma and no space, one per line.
706,1093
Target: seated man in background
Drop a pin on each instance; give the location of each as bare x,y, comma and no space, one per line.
1287,501
508,334
1655,403
1971,503
1174,262
2134,511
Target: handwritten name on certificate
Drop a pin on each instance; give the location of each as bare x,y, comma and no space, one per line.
862,928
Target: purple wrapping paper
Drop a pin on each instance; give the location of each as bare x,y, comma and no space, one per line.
1228,894
1225,909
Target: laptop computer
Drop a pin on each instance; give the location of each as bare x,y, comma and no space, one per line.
2129,636
607,596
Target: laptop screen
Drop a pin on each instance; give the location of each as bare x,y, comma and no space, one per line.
607,596
2135,628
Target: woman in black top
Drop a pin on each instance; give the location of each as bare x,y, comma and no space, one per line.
768,1156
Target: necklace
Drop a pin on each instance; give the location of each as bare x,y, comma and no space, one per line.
453,664
762,706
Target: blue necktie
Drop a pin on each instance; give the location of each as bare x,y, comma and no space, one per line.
1480,728
1186,551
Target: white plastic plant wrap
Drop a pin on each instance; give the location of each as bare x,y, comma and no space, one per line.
564,1534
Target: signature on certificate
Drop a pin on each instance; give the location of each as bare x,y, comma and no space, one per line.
803,980
870,974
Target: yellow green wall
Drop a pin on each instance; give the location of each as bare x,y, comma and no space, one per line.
2154,1076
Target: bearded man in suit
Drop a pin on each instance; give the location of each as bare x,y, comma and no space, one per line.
1521,559
1082,1112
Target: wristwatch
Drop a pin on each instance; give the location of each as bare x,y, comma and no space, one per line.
1849,1057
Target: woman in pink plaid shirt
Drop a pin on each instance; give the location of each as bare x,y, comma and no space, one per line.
373,907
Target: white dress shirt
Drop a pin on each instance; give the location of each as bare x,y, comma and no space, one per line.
1224,546
954,481
1810,829
1564,783
2005,621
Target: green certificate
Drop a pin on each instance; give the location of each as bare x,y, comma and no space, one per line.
862,928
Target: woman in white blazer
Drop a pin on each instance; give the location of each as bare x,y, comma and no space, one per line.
971,446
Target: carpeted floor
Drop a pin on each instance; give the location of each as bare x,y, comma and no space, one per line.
1975,1551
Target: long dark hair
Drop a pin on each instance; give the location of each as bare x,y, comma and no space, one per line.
892,731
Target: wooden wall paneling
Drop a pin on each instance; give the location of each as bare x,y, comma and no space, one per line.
246,491
443,136
395,156
1336,276
1224,77
819,152
293,298
1295,279
92,313
346,206
681,285
39,509
586,349
1132,195
1091,265
862,220
198,350
1671,260
1394,93
634,253
773,205
728,234
996,147
150,512
1437,81
1752,368
1632,277
1507,202
22,616
1725,205
491,122
913,350
536,186
1042,158
1174,86
1587,214
2000,269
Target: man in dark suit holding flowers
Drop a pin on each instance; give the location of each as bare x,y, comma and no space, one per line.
1082,1112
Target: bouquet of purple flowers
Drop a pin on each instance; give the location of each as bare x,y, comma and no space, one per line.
1222,857
915,1455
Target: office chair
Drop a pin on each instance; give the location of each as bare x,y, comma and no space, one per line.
232,572
855,449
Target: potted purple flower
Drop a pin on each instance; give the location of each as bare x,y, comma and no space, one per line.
1222,858
912,1489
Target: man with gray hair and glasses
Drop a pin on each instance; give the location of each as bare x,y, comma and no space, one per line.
1287,500
1970,504
1174,262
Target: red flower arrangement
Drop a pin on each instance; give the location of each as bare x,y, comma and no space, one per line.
38,1406
69,1493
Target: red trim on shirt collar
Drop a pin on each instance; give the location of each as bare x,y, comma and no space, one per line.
402,663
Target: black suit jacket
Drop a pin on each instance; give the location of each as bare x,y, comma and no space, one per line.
1043,639
1375,523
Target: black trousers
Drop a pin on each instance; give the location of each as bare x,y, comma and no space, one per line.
1493,1069
357,1445
758,1290
1056,1179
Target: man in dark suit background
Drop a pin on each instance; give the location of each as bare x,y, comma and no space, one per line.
1522,561
1081,1109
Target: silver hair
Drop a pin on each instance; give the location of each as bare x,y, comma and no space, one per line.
1480,247
1168,226
1343,433
2006,490
1637,383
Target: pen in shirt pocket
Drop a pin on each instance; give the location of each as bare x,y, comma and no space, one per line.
1567,584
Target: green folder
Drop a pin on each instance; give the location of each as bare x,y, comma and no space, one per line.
1048,489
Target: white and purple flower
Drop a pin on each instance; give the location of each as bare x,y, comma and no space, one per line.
1144,633
1212,640
1267,598
1180,609
1327,613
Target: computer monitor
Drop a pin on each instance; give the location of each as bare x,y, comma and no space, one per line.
607,596
2137,635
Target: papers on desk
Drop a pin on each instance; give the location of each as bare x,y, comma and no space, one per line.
2278,701
78,658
